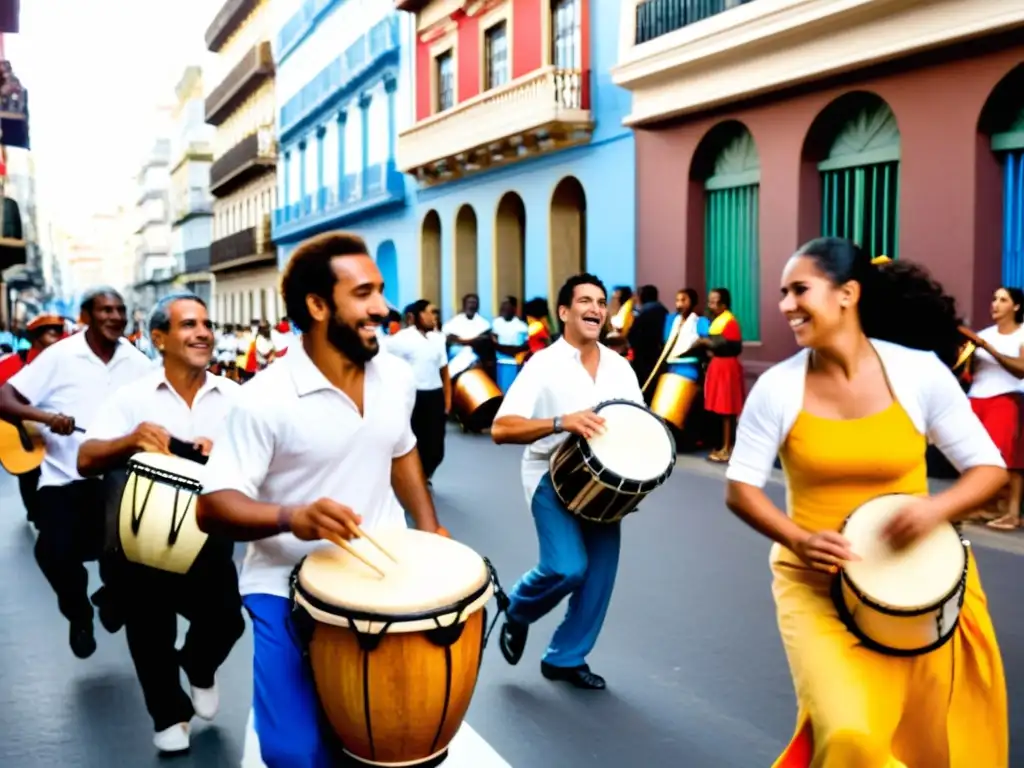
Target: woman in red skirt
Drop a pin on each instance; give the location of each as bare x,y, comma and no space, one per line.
723,384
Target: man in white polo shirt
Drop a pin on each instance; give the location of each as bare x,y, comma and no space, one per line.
179,401
552,397
320,439
429,365
62,389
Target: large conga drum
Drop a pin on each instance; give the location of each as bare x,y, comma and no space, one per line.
476,399
395,658
900,602
157,523
673,398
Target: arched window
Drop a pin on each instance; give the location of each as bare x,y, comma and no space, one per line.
1009,146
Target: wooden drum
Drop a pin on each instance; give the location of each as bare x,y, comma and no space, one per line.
395,658
673,398
476,399
906,602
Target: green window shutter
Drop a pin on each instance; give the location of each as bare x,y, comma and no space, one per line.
1011,139
731,228
860,182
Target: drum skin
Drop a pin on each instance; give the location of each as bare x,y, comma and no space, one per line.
673,398
476,399
401,703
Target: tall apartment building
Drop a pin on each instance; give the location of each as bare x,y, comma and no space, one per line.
240,104
154,265
191,203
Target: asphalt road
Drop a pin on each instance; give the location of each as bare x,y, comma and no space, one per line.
696,673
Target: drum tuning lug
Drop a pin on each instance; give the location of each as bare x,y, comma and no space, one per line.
966,542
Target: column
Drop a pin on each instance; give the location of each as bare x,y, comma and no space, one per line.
342,115
390,87
364,135
286,205
302,177
321,199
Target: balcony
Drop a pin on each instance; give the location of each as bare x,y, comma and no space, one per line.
191,203
13,247
255,68
301,23
380,188
684,56
540,112
364,59
197,260
252,247
13,108
193,152
227,20
250,158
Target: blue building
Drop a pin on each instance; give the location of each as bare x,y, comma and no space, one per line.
526,171
343,92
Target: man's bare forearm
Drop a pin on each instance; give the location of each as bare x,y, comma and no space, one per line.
520,431
98,456
15,408
235,516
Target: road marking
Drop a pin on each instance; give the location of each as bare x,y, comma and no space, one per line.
467,750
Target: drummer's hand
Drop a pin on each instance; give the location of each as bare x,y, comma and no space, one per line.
60,424
586,424
152,437
323,519
824,551
916,519
203,444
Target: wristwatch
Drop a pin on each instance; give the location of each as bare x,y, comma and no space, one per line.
557,427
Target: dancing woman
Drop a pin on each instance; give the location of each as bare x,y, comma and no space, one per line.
851,416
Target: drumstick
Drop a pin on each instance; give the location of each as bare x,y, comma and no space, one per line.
364,535
352,551
661,360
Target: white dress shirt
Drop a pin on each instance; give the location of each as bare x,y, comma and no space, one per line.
423,354
925,388
69,378
553,382
990,378
292,438
462,327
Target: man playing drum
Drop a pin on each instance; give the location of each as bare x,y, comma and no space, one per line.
552,396
183,401
318,442
62,389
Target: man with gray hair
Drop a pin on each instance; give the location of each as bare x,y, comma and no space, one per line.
177,408
62,390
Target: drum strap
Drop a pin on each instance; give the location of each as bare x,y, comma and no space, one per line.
500,597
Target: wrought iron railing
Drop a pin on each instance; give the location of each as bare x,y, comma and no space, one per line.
655,18
241,82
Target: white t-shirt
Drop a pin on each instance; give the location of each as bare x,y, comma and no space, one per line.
990,378
292,438
554,383
423,354
69,378
462,327
510,333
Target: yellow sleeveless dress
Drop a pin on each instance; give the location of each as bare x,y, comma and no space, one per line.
859,708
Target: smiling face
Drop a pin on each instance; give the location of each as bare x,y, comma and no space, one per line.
683,304
357,308
1003,306
107,318
189,341
586,315
814,306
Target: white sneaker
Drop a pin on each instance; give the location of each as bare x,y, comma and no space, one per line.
173,739
205,701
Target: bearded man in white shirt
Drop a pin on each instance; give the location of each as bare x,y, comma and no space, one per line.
554,395
319,441
179,405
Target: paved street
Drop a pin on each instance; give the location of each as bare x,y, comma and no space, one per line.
695,668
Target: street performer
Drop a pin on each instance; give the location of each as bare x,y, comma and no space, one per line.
852,415
183,401
553,396
317,442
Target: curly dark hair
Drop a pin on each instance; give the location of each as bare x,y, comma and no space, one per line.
309,273
900,301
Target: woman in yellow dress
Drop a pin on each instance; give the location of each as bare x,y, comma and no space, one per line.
851,415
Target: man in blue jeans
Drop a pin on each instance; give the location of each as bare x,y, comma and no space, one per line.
553,396
318,440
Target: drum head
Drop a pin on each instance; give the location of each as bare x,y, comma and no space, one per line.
636,446
909,579
168,467
432,573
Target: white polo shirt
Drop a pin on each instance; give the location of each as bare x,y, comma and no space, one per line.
153,399
423,354
69,378
553,382
292,437
464,328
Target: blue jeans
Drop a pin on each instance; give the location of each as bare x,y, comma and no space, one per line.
576,558
506,373
289,722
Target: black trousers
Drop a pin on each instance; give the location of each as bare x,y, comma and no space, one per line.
428,424
28,485
152,599
70,519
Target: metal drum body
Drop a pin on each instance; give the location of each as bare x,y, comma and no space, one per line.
603,479
395,659
901,603
476,399
157,522
673,398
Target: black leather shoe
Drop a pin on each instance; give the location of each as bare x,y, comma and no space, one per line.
110,613
81,639
513,640
580,677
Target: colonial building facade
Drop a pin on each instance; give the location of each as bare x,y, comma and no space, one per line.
524,166
240,103
763,123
